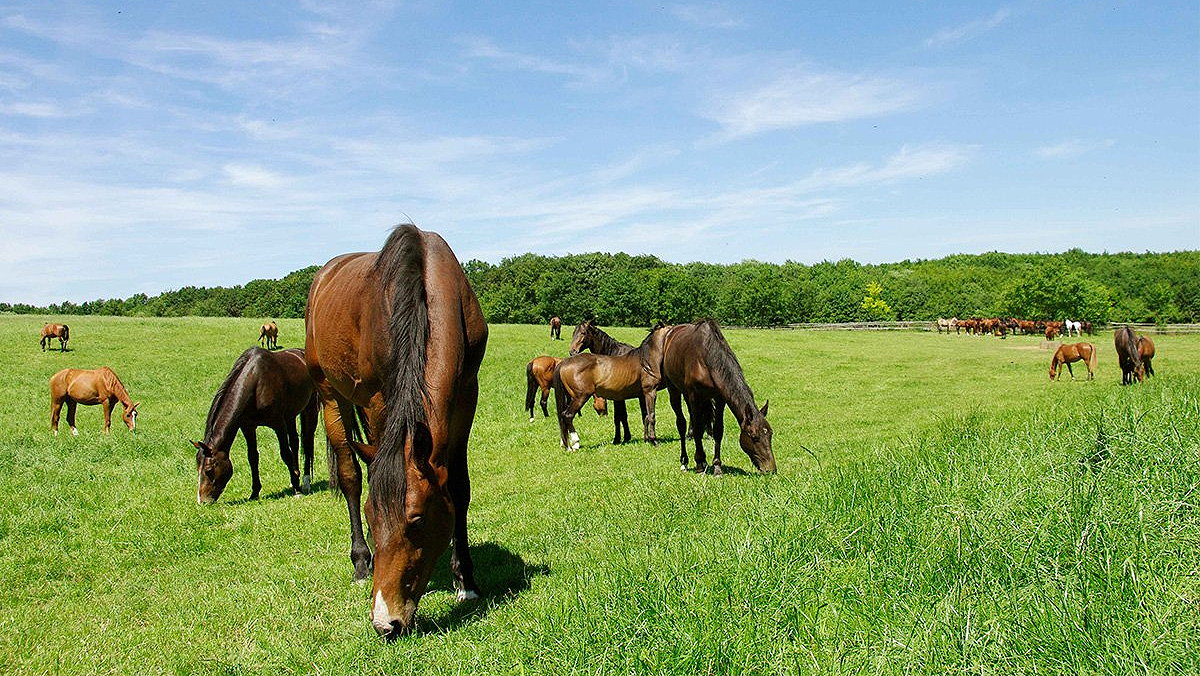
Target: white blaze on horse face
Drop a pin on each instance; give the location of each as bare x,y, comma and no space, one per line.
381,615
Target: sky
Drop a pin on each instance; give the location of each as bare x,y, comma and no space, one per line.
152,145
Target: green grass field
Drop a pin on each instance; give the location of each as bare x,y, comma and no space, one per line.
940,506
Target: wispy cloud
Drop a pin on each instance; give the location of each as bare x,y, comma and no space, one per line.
1072,148
968,30
708,15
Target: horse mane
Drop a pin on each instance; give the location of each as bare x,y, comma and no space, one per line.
725,368
219,398
401,272
602,343
1127,346
114,384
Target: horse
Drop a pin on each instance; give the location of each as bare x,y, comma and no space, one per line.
1071,326
1128,355
396,337
699,367
263,389
633,374
51,331
588,336
90,387
1146,350
1073,352
947,324
268,336
539,373
555,328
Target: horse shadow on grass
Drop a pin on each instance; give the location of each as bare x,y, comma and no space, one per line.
501,574
317,487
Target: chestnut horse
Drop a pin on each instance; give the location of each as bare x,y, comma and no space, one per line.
268,336
263,389
1068,353
52,331
399,334
555,328
1146,351
539,373
89,387
1129,355
700,368
634,374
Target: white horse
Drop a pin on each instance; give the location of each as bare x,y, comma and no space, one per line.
946,324
1069,326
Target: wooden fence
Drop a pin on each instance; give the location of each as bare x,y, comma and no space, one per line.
932,326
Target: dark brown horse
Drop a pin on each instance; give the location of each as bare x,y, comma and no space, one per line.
701,369
1129,356
268,336
539,374
635,374
1067,353
52,331
399,335
588,336
89,387
1146,351
263,389
555,328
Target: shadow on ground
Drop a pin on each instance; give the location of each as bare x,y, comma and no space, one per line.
501,575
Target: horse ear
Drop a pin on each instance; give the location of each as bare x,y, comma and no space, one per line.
204,449
763,410
135,405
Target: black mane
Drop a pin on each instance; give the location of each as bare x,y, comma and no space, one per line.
725,368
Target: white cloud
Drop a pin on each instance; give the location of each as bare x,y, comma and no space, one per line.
252,176
1072,148
33,109
968,30
710,15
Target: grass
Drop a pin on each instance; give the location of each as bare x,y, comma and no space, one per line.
940,507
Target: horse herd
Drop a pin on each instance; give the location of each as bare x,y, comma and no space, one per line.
394,340
1002,326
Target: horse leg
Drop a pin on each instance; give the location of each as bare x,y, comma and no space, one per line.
308,431
71,404
545,398
680,424
251,434
289,451
649,433
700,410
461,564
718,431
107,406
620,415
55,408
1070,371
344,468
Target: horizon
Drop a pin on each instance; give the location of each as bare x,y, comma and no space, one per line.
153,147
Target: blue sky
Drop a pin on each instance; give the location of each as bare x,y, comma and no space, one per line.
149,146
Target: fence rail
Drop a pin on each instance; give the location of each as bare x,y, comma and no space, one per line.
932,326
1158,328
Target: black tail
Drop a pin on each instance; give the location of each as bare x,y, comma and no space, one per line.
401,272
531,387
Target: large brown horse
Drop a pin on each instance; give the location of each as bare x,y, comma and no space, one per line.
700,368
1129,356
635,374
399,335
1146,351
52,331
268,336
588,336
263,389
555,328
1067,353
89,387
539,374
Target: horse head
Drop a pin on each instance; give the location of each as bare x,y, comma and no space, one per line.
213,471
581,339
755,440
130,416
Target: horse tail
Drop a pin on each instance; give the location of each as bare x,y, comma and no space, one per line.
1093,358
530,388
401,272
66,334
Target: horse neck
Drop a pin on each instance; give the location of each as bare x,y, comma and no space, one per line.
117,388
224,417
730,381
602,343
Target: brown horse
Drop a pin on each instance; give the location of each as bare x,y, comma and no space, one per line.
588,336
268,336
636,374
539,373
1146,350
399,335
263,389
52,331
555,328
700,368
1068,353
89,387
1129,355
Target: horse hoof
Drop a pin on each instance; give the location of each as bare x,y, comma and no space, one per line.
717,471
74,432
683,467
530,418
467,595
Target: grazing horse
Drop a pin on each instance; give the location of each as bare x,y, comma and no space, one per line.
399,335
1073,352
1146,350
52,331
947,324
263,389
699,367
268,336
588,336
539,374
1129,356
89,387
635,374
555,328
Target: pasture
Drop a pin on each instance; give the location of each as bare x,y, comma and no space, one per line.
940,506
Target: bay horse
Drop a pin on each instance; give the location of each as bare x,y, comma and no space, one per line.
555,328
90,387
635,374
1067,353
398,335
1146,351
1128,355
700,368
263,389
539,373
588,336
268,336
51,331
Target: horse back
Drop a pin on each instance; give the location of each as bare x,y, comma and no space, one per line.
345,327
684,366
281,383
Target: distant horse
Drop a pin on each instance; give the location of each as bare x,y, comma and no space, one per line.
947,324
635,374
268,336
263,389
539,373
59,331
399,335
1071,326
555,328
701,369
1146,350
1073,352
1129,356
1088,328
89,387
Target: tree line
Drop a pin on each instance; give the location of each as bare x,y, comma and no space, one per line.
624,290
